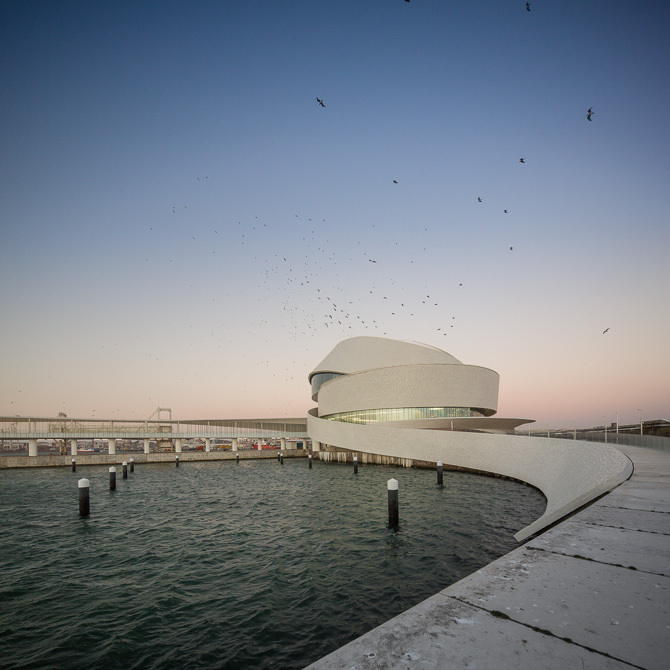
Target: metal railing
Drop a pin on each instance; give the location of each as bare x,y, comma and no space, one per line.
656,442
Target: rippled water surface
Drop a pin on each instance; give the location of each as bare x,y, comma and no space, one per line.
219,565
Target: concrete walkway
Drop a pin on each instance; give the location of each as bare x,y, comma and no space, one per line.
592,592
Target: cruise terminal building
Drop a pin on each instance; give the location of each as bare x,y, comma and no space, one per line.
397,402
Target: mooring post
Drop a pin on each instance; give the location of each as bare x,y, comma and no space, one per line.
125,469
176,458
392,486
112,478
237,458
132,465
74,465
310,461
281,458
440,470
84,499
355,465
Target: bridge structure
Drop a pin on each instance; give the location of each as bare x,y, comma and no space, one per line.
167,433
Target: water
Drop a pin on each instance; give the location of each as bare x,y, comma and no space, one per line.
219,565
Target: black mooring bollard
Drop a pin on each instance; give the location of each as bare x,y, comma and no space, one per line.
237,457
125,469
112,479
281,458
84,498
440,470
392,486
176,458
74,465
310,461
132,465
355,465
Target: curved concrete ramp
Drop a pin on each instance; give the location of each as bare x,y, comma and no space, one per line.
570,473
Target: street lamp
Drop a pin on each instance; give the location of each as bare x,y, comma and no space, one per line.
605,424
640,411
617,423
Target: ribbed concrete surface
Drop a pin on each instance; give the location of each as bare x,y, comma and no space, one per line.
593,592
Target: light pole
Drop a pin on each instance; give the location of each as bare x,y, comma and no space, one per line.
617,423
574,430
640,411
605,424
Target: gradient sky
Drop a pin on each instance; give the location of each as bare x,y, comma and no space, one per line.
183,225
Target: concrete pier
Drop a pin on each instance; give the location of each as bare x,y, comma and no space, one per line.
591,592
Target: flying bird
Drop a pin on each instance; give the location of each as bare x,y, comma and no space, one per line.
604,331
395,181
528,6
589,113
479,199
320,102
511,248
504,210
522,160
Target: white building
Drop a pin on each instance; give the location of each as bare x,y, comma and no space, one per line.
394,383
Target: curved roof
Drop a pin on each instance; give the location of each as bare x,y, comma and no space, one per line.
364,353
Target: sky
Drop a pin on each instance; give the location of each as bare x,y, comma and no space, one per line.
183,225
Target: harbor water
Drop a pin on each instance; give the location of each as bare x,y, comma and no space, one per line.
225,565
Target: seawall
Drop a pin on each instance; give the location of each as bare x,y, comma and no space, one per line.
48,461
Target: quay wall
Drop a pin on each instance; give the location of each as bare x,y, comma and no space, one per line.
48,461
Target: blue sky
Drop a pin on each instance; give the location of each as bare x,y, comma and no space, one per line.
179,215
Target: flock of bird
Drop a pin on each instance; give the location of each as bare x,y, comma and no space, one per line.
305,282
304,286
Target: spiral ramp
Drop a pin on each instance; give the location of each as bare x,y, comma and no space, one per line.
409,402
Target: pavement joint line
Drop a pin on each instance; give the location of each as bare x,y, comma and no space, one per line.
595,560
636,509
632,530
502,615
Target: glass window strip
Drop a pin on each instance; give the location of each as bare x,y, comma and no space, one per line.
318,380
402,414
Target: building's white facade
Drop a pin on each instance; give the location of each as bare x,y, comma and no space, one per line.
390,382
